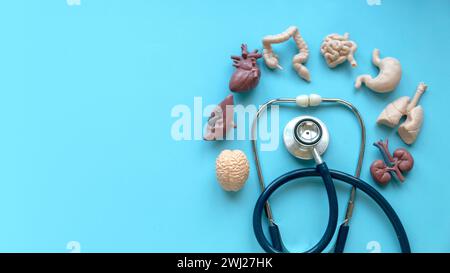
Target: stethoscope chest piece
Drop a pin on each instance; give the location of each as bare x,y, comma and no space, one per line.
303,134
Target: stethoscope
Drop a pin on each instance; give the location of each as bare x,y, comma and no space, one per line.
306,137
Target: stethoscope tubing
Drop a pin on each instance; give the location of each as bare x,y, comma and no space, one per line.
327,177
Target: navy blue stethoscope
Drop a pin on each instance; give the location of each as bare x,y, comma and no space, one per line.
306,137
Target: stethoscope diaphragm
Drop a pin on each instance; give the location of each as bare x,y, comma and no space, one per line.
303,134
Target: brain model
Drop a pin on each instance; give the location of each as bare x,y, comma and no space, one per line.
232,169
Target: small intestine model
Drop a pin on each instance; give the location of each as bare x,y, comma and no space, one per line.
221,120
388,78
404,106
395,165
271,59
247,73
337,49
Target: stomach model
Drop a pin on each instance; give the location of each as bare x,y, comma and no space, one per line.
388,78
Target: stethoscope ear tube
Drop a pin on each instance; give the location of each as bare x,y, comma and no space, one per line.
318,171
341,238
275,237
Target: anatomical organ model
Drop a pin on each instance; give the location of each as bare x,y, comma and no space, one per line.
394,165
388,78
271,59
247,73
220,120
392,114
337,49
232,169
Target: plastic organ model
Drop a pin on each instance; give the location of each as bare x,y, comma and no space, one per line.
247,73
392,114
271,59
232,169
391,165
220,120
337,49
388,78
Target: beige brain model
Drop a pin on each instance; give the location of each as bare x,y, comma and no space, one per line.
232,169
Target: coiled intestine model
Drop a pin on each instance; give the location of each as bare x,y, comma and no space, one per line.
337,49
271,59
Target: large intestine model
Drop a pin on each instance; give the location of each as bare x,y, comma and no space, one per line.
271,59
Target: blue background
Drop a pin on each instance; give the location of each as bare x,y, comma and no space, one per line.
86,94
